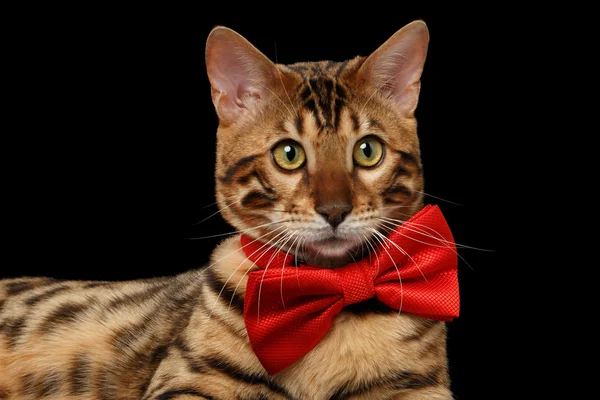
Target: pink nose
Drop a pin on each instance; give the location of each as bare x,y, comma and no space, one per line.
334,213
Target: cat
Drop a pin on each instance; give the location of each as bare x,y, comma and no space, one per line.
303,150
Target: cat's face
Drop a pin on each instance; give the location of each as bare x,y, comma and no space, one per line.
318,159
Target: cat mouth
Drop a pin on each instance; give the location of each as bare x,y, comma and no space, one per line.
332,252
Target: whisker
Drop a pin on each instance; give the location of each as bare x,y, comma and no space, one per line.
448,246
236,269
226,198
219,210
242,231
283,267
401,251
234,251
440,238
296,257
383,84
351,256
281,80
249,269
439,198
287,237
274,94
398,206
372,248
397,270
391,227
362,248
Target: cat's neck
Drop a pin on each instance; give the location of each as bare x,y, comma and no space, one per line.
231,266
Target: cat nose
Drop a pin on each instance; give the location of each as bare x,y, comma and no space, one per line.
334,213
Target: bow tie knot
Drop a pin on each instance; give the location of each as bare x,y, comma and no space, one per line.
356,283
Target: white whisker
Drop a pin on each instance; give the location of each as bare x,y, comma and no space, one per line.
296,257
397,270
274,94
287,237
440,238
236,269
383,84
226,198
249,269
401,250
283,267
373,249
282,84
203,270
439,198
398,206
242,231
219,210
447,246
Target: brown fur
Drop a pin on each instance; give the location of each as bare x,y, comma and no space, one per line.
183,337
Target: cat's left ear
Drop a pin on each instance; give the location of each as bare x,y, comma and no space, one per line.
395,68
240,75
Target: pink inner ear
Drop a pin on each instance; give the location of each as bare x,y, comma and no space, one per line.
238,72
395,68
407,72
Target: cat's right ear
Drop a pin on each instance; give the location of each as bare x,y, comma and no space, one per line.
239,74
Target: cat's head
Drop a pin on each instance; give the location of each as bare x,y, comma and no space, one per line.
318,158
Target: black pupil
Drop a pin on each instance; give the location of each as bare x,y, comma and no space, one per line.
290,152
367,149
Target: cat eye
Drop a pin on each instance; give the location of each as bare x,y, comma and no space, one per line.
368,152
289,155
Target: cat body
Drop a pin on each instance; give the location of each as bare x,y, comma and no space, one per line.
167,338
313,159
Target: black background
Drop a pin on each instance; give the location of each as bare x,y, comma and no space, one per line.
112,142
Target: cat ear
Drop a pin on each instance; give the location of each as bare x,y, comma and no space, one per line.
239,74
395,68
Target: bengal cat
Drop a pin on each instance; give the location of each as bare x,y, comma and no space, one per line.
317,153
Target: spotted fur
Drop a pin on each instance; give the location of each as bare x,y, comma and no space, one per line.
183,337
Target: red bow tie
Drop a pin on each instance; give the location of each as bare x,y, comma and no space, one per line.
288,309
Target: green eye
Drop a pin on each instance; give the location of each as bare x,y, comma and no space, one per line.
368,152
289,155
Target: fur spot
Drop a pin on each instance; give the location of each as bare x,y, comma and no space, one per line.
51,384
173,394
235,372
193,364
233,169
423,329
18,287
257,200
79,374
355,122
139,297
300,124
45,295
13,328
237,302
42,386
4,394
66,313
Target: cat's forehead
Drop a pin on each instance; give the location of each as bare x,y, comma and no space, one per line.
322,69
322,90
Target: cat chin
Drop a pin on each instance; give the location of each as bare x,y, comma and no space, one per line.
330,253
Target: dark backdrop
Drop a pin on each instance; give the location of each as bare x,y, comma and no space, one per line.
111,156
